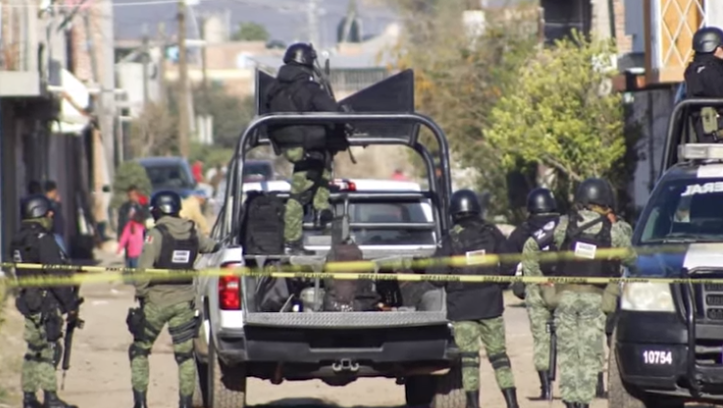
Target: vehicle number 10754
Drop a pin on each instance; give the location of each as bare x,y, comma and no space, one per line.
657,357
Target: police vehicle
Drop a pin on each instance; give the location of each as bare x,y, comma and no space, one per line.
668,341
388,220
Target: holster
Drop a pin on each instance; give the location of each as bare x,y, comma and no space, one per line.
136,321
53,327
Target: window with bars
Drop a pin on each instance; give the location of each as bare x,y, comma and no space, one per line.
355,79
562,17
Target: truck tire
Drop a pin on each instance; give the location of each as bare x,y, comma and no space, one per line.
419,390
226,385
449,392
618,395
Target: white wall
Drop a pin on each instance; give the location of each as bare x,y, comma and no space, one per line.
130,79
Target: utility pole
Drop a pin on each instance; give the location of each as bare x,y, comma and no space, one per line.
312,15
146,55
183,110
204,73
162,62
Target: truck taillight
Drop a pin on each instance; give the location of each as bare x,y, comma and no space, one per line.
344,184
229,290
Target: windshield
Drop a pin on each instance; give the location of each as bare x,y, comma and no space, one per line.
685,211
257,172
170,176
380,213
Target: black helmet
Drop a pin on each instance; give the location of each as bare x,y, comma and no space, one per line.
464,202
595,191
541,200
707,39
165,203
36,206
300,53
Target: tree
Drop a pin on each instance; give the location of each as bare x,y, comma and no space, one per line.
251,31
559,115
128,174
154,132
459,77
231,114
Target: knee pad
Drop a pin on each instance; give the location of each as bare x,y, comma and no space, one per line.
135,351
470,359
183,357
500,360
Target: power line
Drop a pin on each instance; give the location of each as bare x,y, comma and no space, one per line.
85,6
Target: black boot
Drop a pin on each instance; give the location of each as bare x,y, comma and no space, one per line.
600,389
52,401
30,400
322,218
581,405
570,404
139,399
545,390
186,402
295,248
472,399
510,395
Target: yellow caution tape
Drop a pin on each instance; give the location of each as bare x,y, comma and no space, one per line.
344,270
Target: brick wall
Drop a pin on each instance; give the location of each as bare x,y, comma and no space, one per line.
624,42
82,65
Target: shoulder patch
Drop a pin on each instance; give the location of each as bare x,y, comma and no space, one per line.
149,239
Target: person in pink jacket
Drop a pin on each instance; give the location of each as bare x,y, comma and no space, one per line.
132,239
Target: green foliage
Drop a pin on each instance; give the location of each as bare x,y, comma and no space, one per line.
127,174
210,155
251,31
230,114
559,116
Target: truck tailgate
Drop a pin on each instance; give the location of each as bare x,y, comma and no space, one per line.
346,319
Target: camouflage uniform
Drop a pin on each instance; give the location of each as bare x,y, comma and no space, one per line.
579,318
467,335
301,186
539,314
170,303
40,360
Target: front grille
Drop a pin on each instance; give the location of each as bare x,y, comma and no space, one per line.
708,297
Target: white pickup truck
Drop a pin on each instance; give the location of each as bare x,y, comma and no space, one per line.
388,219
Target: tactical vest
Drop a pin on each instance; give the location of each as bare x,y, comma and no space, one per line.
285,99
24,248
583,248
545,238
705,120
473,241
177,254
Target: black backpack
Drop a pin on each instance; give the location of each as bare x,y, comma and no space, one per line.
263,231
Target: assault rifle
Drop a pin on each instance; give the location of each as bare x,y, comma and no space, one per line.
70,325
552,372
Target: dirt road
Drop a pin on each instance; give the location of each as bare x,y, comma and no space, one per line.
100,374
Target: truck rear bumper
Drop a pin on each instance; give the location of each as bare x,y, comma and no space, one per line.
314,353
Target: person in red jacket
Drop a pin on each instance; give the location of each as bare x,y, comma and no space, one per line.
197,170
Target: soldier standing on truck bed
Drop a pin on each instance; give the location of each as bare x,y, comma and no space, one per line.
476,308
543,216
310,148
704,79
42,307
579,317
172,244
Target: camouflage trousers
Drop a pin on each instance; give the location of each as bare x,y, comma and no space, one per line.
182,327
40,359
307,185
467,335
580,324
539,315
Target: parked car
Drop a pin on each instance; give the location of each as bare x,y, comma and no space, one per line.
169,173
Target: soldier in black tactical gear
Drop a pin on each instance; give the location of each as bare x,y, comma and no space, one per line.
543,216
42,307
173,244
704,79
310,148
476,308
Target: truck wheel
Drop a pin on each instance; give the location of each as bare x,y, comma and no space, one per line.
419,390
449,392
618,395
226,385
